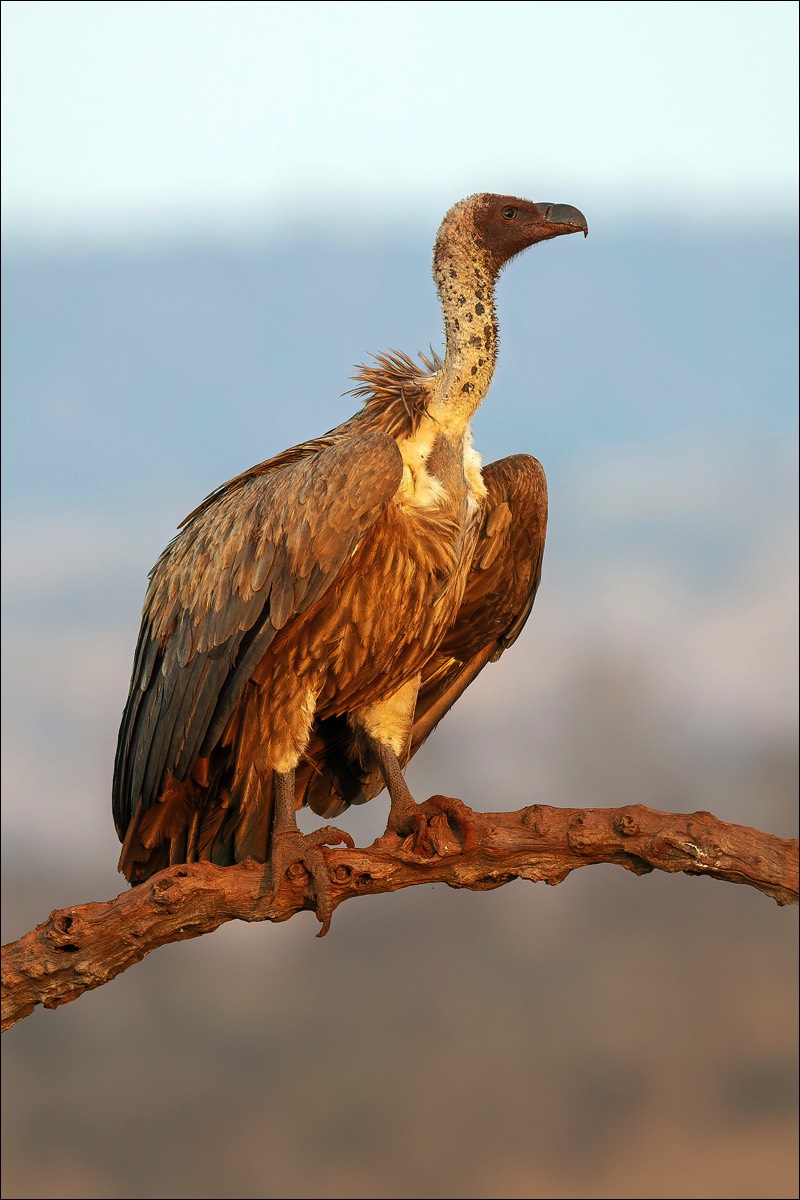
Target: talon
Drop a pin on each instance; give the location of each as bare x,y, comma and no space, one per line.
415,822
459,815
405,821
429,828
293,852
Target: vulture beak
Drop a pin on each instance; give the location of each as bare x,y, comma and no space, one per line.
563,218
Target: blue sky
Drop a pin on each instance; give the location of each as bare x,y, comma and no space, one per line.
139,117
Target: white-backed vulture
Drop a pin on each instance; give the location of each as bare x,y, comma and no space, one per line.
317,615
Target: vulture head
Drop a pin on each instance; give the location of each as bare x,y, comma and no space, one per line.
502,226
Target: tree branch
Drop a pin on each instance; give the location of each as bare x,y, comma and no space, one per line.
82,947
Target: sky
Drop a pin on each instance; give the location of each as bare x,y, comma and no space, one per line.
141,117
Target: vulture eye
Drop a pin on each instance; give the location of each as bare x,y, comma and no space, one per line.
509,213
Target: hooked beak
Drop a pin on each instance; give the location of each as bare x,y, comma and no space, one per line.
561,218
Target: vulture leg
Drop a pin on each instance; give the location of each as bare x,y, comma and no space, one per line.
406,817
289,846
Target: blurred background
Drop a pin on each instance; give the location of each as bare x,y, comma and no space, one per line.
212,211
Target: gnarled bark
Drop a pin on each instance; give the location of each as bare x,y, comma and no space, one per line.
84,946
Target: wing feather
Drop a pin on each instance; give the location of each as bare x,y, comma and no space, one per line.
250,560
502,586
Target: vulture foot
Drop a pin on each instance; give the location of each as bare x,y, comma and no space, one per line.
292,850
407,819
458,815
440,826
427,829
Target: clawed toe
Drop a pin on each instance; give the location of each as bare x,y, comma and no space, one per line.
428,830
459,815
407,821
292,849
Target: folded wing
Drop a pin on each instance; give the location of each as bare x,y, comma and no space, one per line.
261,551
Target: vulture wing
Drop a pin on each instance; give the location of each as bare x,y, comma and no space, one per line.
261,551
501,589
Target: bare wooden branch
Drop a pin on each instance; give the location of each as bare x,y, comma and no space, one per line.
85,946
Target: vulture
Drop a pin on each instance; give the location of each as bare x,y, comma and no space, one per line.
315,617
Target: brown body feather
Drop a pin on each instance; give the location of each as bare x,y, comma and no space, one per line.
333,599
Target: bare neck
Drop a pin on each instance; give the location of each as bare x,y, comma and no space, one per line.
465,283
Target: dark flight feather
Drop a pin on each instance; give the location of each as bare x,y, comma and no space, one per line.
362,474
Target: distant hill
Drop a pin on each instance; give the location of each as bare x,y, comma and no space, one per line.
132,372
